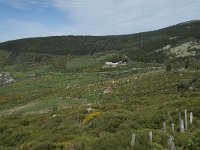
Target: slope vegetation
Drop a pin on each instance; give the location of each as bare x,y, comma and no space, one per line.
138,47
57,92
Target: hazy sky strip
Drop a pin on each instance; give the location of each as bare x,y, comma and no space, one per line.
32,18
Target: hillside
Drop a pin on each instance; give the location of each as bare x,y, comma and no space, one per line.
139,47
61,93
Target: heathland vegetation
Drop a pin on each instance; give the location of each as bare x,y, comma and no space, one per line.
58,92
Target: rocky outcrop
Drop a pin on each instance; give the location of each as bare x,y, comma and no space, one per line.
6,78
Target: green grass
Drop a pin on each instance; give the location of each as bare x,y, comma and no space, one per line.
81,62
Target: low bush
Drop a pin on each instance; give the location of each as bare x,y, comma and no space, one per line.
195,142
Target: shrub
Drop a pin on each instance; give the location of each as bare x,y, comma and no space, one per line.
195,143
109,122
91,116
43,145
181,140
117,141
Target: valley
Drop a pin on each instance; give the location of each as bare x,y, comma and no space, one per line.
62,93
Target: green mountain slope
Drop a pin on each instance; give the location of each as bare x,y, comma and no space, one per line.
57,93
137,46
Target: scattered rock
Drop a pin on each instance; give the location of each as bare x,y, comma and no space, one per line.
89,110
108,90
116,64
89,104
6,78
191,88
172,38
185,50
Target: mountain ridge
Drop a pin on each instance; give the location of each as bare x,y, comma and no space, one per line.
136,46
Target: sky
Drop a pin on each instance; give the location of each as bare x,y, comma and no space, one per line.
35,18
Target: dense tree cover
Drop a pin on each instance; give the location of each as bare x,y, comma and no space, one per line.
138,47
67,45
